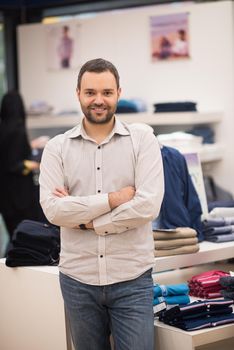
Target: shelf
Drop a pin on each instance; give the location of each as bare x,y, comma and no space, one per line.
174,118
209,252
182,118
52,121
211,152
207,152
182,340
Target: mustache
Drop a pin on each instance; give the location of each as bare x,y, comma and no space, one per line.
96,105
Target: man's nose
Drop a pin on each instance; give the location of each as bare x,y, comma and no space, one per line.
98,99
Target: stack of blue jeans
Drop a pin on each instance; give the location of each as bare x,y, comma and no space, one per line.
227,284
218,230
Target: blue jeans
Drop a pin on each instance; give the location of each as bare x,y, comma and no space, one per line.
122,309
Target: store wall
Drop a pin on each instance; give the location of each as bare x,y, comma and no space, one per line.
124,38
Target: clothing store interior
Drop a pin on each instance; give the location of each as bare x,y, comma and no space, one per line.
176,65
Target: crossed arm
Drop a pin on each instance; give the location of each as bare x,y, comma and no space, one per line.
115,199
106,213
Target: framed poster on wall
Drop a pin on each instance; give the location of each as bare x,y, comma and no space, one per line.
169,37
62,46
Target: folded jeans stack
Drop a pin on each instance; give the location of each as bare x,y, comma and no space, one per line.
181,240
219,229
227,284
199,314
171,294
206,284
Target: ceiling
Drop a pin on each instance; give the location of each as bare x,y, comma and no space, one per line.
43,4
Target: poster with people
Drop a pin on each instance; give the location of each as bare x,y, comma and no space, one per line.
62,46
169,37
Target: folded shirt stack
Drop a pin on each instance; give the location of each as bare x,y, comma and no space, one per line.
181,240
180,106
182,141
227,284
199,314
218,229
134,105
206,285
225,212
171,294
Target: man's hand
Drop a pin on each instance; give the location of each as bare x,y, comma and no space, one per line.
120,197
61,192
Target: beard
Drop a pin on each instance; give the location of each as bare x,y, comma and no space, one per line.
98,118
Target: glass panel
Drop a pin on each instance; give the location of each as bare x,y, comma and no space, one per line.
2,63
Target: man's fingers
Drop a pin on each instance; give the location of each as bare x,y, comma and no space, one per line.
60,192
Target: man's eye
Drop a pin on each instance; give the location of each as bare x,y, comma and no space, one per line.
108,93
89,93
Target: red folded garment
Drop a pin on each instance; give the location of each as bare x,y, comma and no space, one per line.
210,274
206,285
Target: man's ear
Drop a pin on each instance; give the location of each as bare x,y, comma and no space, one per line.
78,93
119,92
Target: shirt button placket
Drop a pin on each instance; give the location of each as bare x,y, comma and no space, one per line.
101,239
98,162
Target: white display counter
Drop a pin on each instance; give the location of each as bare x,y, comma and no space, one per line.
32,312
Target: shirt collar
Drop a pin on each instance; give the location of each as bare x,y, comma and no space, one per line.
119,128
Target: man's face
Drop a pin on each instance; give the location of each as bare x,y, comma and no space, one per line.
98,96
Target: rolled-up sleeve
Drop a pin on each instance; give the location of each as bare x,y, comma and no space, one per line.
149,184
69,211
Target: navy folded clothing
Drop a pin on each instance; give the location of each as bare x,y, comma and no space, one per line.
204,322
34,243
126,106
175,107
220,238
19,256
209,231
227,281
199,314
205,132
227,293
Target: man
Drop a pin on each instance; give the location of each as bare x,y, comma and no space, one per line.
65,48
180,46
102,182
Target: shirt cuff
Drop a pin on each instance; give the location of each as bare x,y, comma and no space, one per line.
103,225
100,205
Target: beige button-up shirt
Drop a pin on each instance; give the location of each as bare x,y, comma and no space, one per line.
121,245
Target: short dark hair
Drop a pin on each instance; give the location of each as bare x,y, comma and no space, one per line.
98,65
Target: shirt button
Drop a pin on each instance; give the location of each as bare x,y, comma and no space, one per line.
98,168
101,256
99,191
99,147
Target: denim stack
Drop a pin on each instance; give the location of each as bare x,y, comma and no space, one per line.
227,284
171,294
199,314
219,229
